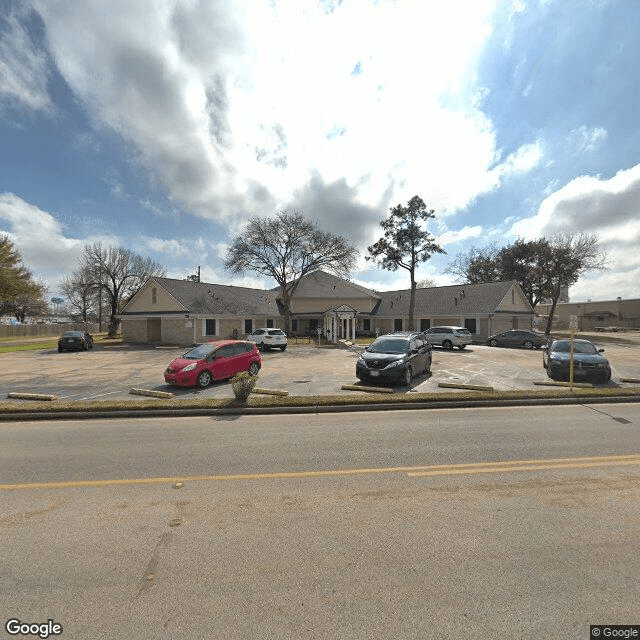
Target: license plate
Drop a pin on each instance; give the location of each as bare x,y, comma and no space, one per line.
375,374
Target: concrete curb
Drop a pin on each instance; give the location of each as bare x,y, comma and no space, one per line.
472,387
151,393
31,396
314,409
357,387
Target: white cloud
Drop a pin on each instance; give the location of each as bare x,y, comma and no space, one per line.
453,237
608,207
40,238
587,203
23,66
234,125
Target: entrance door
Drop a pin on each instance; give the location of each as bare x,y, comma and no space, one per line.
154,329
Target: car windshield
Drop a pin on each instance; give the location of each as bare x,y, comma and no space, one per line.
72,334
200,352
389,345
564,346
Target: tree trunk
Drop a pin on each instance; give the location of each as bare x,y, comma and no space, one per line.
412,304
554,302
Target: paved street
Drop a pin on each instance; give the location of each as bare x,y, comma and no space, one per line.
446,524
108,373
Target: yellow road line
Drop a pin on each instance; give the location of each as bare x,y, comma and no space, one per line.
430,470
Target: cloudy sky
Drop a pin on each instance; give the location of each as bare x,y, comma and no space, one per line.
162,125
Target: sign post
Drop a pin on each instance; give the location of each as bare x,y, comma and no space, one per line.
573,326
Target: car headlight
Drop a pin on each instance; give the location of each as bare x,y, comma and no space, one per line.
397,363
190,367
602,365
361,360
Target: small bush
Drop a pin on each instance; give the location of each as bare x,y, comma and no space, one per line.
242,384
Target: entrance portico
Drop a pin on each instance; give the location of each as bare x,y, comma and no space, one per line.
340,323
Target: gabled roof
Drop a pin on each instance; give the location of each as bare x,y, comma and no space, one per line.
452,300
219,299
321,284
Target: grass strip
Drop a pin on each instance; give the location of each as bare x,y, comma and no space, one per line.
312,401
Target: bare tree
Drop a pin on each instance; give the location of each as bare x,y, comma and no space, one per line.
117,273
405,243
570,256
426,283
288,247
81,295
542,267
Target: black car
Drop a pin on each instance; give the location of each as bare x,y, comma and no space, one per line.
75,341
587,360
395,357
517,338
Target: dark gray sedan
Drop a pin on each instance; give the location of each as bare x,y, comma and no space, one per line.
588,361
518,338
75,341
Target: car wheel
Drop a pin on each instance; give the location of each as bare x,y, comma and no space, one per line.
606,377
528,344
493,343
427,369
253,369
283,347
60,349
447,344
204,379
408,374
85,347
462,346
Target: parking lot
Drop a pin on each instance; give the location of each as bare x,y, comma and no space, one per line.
108,373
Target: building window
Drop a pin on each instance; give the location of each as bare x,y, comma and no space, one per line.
366,324
513,296
269,324
425,324
210,327
294,326
154,296
248,326
470,323
397,324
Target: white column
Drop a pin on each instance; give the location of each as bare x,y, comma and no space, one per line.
353,329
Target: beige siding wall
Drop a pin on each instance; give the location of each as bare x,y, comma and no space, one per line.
177,331
134,329
143,300
514,301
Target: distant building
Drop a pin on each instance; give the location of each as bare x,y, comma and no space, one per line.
589,316
183,312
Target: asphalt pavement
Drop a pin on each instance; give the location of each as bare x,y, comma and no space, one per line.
110,372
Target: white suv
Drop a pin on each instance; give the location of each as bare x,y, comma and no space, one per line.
449,337
269,338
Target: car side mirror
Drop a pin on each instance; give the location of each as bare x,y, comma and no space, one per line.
600,350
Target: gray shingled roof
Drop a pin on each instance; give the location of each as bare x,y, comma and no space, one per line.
221,300
453,300
321,284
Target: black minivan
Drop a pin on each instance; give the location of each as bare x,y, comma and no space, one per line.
395,357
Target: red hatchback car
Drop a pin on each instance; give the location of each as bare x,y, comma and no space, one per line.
214,360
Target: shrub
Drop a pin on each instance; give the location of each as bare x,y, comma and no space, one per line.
242,384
